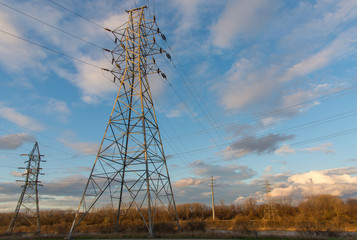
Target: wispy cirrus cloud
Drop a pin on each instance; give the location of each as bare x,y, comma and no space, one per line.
59,108
88,148
326,148
13,116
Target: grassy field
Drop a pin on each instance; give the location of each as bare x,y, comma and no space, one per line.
266,235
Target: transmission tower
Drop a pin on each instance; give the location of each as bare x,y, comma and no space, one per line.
270,212
27,207
130,170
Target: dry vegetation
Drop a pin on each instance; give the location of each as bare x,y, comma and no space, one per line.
317,214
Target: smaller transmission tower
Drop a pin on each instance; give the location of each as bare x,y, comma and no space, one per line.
269,210
27,210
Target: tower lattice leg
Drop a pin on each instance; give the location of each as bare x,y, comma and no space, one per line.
130,171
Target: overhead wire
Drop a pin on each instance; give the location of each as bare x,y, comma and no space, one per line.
300,126
52,26
206,110
282,110
304,142
78,15
49,49
75,58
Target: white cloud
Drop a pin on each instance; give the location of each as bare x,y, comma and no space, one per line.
325,148
333,181
268,169
245,85
188,11
16,54
91,80
14,141
341,46
284,150
58,108
88,148
178,111
114,21
12,115
16,174
185,182
241,18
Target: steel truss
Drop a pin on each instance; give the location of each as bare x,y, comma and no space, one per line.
28,205
130,166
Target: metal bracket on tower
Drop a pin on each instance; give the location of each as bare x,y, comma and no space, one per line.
130,171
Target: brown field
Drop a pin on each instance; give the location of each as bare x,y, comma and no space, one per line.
317,217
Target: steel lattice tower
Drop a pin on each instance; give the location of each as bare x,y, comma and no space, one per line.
270,212
27,207
130,166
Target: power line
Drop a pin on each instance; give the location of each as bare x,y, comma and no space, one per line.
301,126
52,50
47,24
317,139
78,15
323,97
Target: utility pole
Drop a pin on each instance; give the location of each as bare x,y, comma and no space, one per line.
213,212
28,204
130,168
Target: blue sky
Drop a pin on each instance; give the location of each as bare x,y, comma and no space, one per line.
260,90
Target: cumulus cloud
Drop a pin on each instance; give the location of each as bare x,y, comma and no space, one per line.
245,85
185,182
241,18
91,81
188,14
333,181
12,48
258,145
14,141
228,179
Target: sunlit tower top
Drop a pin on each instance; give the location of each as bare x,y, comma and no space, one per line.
130,166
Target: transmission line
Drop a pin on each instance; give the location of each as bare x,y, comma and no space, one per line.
52,50
325,97
47,24
78,15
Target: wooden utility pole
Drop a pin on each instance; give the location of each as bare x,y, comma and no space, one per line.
213,213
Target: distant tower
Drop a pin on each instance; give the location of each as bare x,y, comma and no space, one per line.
270,209
27,207
130,170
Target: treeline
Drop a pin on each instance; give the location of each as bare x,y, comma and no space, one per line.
319,213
